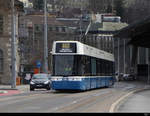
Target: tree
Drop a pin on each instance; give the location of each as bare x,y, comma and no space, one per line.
136,10
109,8
38,4
119,7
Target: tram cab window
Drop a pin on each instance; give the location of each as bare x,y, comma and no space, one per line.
67,65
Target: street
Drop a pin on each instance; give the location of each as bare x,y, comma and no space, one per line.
98,100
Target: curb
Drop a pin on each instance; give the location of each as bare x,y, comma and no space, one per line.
114,107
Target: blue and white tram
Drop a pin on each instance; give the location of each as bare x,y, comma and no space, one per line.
77,66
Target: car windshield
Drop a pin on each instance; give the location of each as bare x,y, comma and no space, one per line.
40,76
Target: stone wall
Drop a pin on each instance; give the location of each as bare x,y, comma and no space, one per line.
5,46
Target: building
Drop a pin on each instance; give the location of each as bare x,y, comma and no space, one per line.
31,37
132,50
26,3
100,6
102,29
5,39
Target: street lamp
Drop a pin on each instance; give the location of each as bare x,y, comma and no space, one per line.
13,41
45,39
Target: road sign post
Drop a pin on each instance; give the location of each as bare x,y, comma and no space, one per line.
39,65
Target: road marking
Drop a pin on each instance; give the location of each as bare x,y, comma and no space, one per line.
115,104
3,92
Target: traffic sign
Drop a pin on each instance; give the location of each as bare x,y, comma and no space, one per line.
38,63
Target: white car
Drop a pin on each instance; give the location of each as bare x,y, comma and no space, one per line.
128,77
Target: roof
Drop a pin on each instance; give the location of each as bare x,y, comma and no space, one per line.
134,29
106,27
138,32
111,26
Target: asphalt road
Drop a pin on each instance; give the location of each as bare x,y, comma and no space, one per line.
98,100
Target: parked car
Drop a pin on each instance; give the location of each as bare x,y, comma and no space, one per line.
128,77
39,81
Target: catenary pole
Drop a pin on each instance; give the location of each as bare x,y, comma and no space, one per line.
13,41
118,56
124,56
45,38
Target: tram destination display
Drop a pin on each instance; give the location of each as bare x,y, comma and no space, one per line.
66,48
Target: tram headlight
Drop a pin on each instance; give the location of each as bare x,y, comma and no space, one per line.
75,79
78,79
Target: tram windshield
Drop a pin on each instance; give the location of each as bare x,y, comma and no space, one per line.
66,65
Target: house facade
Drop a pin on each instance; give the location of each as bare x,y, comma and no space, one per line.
5,40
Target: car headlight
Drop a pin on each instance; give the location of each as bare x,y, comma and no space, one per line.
32,83
46,82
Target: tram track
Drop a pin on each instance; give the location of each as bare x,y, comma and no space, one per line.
97,100
80,105
28,96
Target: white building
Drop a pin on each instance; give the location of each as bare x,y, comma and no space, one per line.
26,3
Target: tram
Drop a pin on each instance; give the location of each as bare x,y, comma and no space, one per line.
77,66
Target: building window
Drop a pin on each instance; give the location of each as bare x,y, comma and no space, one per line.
1,24
38,28
63,29
1,61
57,29
50,28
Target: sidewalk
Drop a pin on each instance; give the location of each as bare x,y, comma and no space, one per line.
7,90
137,101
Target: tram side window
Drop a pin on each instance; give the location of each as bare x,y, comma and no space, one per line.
103,65
93,66
98,67
111,68
108,68
78,68
87,66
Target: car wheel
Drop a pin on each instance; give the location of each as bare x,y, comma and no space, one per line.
31,89
48,88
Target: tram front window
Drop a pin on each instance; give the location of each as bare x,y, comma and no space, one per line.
66,65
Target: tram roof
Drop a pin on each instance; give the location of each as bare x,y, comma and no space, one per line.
87,50
106,27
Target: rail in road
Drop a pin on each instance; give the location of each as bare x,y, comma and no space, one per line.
99,100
